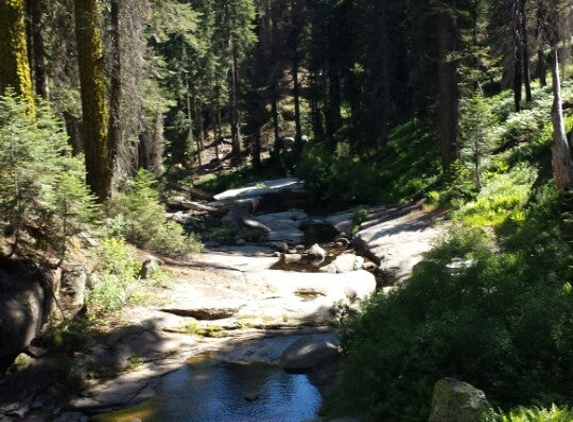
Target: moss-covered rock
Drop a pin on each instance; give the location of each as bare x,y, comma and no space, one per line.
457,401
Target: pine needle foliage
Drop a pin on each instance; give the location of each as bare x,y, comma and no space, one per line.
43,198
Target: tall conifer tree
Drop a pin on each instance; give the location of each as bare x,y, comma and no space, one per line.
99,167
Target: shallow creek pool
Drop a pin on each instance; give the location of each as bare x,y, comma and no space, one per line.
215,391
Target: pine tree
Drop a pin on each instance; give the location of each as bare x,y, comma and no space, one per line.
476,123
42,192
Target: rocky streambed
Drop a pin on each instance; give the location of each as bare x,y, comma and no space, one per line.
233,324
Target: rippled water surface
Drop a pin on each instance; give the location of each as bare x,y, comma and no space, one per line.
230,392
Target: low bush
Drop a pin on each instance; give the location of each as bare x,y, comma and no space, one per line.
502,321
139,217
116,270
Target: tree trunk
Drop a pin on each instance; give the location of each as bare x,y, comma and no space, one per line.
234,108
540,31
447,113
200,126
14,64
257,150
525,53
334,117
316,112
115,129
560,153
38,52
296,95
383,140
518,59
541,67
99,170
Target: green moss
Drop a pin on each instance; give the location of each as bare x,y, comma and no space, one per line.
99,160
14,65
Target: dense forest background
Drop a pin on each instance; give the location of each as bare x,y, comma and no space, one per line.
463,104
150,84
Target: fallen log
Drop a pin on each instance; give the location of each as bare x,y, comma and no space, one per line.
194,192
197,206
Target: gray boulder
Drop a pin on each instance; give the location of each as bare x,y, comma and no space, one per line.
457,401
25,303
306,354
343,264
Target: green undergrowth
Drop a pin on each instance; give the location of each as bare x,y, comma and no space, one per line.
532,414
408,166
138,216
116,281
492,302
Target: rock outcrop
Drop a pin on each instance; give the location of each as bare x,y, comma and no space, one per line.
25,303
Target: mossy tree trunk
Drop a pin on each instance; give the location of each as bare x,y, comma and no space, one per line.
99,167
14,64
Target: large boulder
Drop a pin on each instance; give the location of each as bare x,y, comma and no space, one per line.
306,354
457,401
25,304
344,263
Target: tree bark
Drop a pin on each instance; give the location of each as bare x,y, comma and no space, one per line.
448,96
540,33
560,152
116,89
38,52
525,53
518,59
383,140
234,108
99,170
14,64
334,116
315,108
296,95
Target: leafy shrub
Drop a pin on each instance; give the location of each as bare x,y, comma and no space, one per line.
116,270
139,217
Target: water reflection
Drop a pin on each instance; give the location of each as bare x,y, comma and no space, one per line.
230,392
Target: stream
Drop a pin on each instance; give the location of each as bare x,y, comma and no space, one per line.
218,391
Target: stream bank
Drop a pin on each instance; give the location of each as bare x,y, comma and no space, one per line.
228,304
